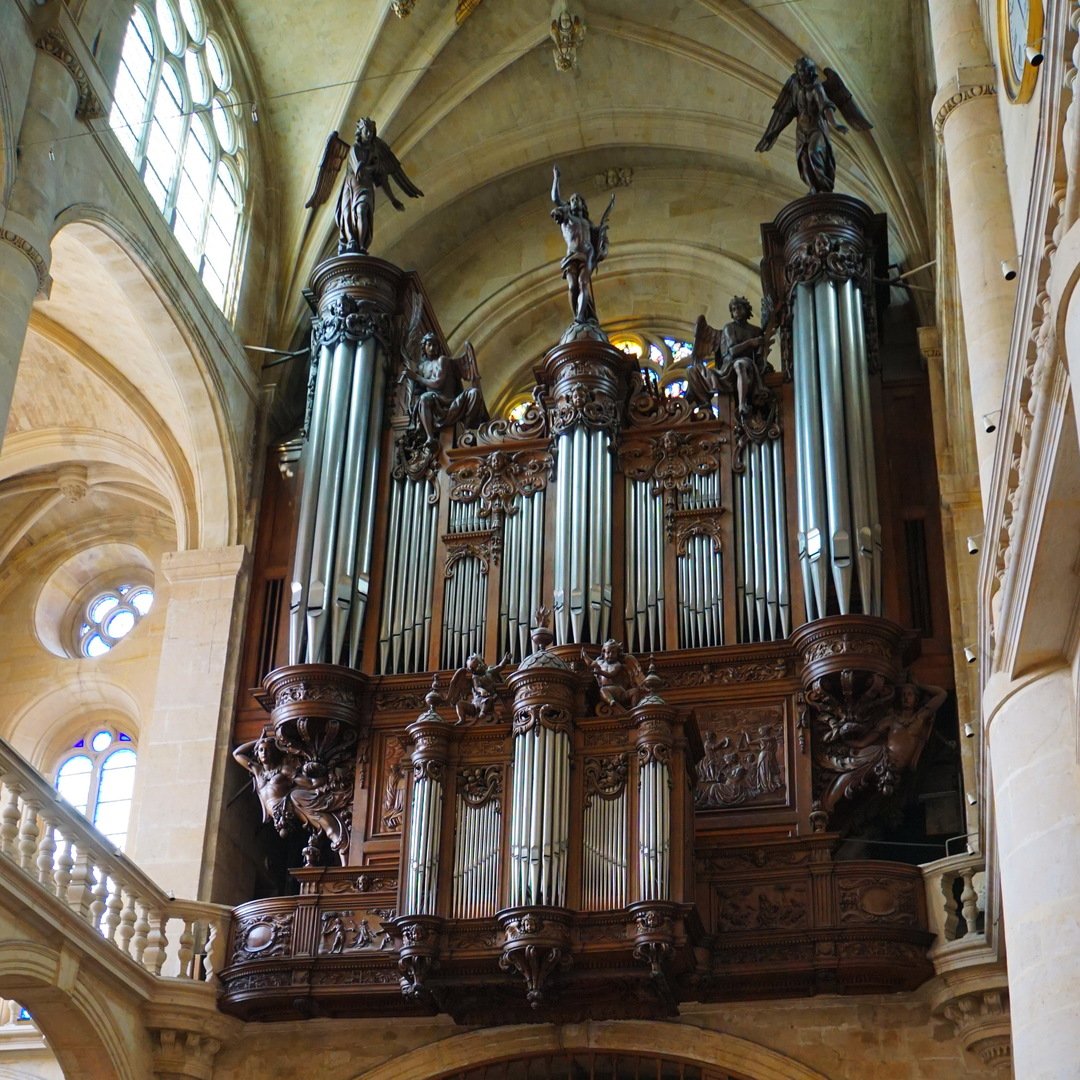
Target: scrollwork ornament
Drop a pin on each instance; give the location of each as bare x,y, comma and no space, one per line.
682,529
485,547
671,459
653,752
480,784
831,256
415,459
581,405
605,778
430,770
499,478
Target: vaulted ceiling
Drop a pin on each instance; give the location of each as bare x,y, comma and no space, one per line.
676,91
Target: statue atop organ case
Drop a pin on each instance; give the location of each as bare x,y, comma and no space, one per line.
562,835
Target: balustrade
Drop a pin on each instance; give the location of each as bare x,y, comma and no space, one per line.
59,854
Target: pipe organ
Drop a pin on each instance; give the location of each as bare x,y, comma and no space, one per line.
512,794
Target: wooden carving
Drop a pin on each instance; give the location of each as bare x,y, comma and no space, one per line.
495,480
670,459
745,758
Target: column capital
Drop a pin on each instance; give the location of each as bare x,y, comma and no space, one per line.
969,84
58,36
39,261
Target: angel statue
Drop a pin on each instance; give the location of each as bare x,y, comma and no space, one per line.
812,102
618,674
474,689
586,248
438,396
371,165
736,353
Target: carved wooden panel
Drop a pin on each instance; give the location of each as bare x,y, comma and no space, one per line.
774,906
746,757
388,795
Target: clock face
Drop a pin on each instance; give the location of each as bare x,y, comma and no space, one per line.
1020,24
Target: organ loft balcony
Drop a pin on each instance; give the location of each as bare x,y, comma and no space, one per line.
627,700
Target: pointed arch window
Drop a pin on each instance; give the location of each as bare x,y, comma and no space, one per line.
177,116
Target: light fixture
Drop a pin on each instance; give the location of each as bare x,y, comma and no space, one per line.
971,799
1008,269
973,543
969,731
1034,54
969,654
990,421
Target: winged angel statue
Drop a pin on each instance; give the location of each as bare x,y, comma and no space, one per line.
371,165
438,396
812,101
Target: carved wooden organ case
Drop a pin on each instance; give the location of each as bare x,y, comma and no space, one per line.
579,829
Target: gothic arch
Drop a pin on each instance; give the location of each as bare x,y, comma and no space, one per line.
738,1056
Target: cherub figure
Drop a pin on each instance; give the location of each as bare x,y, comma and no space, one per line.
812,102
586,248
292,791
371,165
731,359
568,32
618,674
474,689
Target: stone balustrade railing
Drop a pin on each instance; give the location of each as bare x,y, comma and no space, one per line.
955,897
53,845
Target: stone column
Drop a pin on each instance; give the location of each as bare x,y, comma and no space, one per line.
1031,729
26,227
184,746
967,124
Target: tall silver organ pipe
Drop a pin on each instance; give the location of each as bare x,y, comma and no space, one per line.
405,627
429,742
338,481
605,855
762,587
839,526
582,558
477,849
644,561
522,564
699,568
821,256
652,719
465,593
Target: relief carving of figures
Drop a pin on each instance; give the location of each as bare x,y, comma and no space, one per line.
744,760
372,165
867,738
586,248
393,800
670,459
474,689
340,933
618,675
298,791
497,479
811,101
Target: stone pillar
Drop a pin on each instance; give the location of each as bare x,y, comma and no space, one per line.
184,746
967,124
26,229
1031,730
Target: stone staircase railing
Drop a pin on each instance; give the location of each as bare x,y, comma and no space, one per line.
54,845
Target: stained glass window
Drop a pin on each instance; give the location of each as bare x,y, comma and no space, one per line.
98,780
177,118
110,616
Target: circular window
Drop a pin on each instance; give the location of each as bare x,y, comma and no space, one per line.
112,615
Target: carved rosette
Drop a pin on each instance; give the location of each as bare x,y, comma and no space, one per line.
496,479
670,460
417,939
536,944
823,236
586,383
653,924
